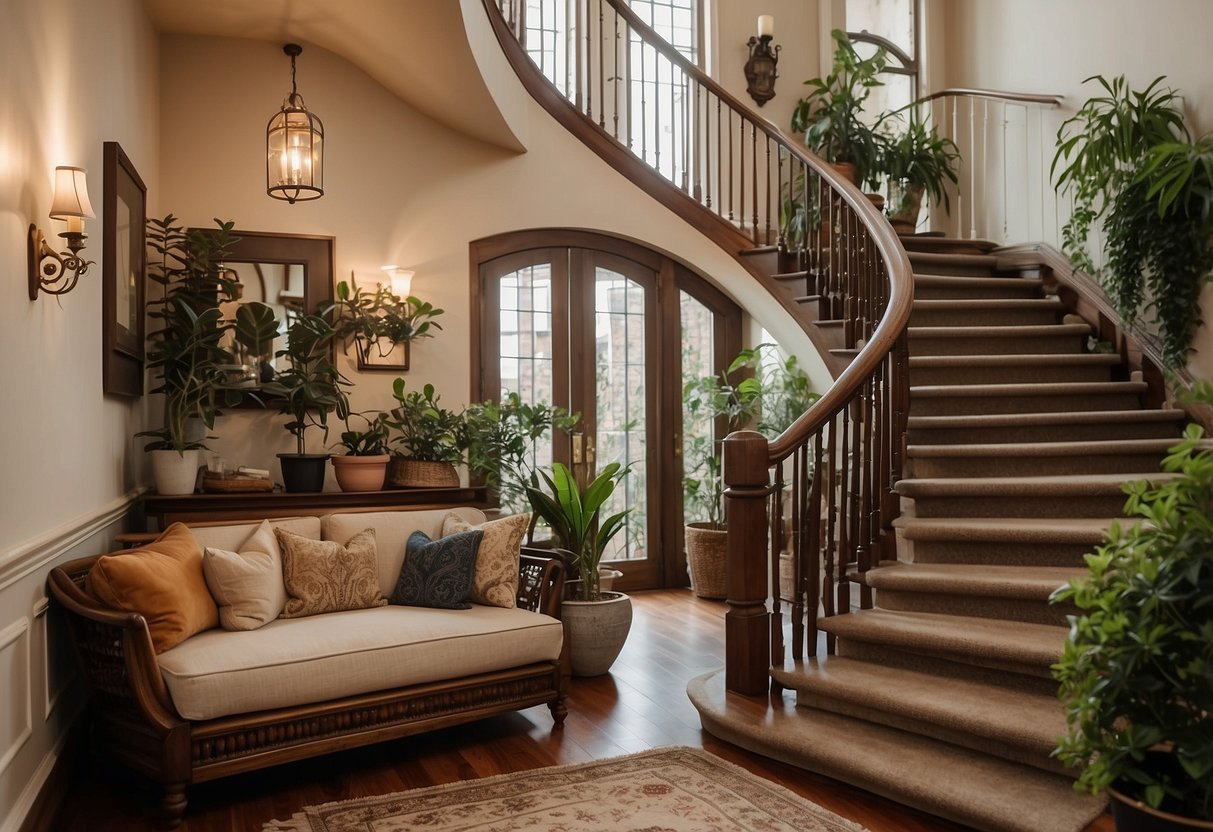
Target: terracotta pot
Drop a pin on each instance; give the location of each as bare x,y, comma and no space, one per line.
1134,816
175,473
596,631
848,171
707,547
403,472
905,204
360,473
303,473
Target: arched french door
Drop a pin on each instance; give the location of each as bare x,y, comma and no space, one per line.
608,329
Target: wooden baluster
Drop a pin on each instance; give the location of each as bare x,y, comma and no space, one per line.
657,110
601,68
795,555
864,519
754,181
830,549
747,647
781,241
719,163
631,83
775,536
589,62
578,27
644,109
845,538
698,130
732,195
568,56
766,240
811,564
616,77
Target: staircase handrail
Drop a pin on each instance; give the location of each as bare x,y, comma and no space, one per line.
999,95
851,258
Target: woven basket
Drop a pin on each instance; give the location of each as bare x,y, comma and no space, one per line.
403,472
706,555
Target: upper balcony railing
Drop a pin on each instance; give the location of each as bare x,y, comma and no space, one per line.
825,485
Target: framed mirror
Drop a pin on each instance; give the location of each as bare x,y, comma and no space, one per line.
123,270
290,273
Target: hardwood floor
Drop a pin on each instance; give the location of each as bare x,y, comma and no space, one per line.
641,704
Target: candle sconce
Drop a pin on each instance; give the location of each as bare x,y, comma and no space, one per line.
760,71
57,273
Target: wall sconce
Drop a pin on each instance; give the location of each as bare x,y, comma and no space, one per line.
294,147
401,280
760,72
57,273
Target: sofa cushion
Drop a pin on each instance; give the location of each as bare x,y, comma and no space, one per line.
163,582
247,584
496,580
392,530
306,660
437,573
326,576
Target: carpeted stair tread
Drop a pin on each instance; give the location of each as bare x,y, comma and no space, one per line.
1059,486
1005,529
975,304
1028,721
989,332
1079,417
1029,583
978,265
1059,426
977,285
1013,360
968,787
1046,390
1103,447
985,642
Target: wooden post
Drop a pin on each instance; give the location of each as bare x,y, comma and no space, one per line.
747,647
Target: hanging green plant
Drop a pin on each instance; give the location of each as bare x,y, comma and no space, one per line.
1131,166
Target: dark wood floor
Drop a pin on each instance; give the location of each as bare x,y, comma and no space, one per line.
641,704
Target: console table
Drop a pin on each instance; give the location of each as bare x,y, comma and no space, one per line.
192,508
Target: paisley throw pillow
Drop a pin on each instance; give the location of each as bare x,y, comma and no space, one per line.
324,576
437,573
495,582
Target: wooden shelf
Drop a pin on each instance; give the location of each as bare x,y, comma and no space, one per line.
192,508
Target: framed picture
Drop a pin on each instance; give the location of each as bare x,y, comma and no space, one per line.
123,273
374,357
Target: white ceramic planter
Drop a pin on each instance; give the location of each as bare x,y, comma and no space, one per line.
596,631
175,473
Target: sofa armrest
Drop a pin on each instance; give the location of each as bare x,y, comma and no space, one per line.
114,651
540,581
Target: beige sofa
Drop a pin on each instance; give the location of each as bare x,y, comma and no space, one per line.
222,702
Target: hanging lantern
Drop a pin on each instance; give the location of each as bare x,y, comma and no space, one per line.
294,147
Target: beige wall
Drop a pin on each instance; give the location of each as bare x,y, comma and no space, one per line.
400,188
1050,47
76,73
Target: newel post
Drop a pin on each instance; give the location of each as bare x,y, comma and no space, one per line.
747,646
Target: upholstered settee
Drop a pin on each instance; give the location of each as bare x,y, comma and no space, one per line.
224,701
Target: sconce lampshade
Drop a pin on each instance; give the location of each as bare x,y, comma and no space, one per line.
71,194
401,280
294,147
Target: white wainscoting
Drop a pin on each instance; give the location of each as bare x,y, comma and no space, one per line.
16,711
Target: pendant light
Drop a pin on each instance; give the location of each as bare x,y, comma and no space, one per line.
294,147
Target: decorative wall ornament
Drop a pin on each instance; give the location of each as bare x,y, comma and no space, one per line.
760,71
57,273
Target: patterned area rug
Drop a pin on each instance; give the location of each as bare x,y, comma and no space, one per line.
663,790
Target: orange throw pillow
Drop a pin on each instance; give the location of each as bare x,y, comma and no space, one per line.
163,582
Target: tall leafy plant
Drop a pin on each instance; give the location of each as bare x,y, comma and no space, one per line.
1137,671
1129,161
502,437
575,517
310,386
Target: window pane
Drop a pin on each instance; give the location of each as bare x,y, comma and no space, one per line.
698,351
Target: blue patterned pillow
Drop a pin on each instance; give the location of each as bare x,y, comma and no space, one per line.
438,573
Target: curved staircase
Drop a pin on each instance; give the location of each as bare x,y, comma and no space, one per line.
1017,443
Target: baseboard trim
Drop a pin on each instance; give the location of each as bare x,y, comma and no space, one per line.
36,554
37,808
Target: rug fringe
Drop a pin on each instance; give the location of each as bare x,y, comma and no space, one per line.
298,822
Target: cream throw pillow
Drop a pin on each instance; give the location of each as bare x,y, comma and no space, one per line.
495,582
324,576
247,585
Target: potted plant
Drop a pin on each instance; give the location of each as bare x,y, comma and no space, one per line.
501,444
772,394
1131,164
311,388
915,162
378,321
596,622
830,116
363,466
428,440
1137,670
185,345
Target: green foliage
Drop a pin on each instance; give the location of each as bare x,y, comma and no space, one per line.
829,115
423,430
311,387
185,352
1137,671
374,318
1128,160
501,443
917,155
372,441
769,395
575,517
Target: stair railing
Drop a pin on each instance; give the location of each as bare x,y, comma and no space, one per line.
824,487
1006,142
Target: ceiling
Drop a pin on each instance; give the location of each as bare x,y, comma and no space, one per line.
417,49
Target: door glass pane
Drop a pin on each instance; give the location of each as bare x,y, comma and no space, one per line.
619,366
698,352
525,345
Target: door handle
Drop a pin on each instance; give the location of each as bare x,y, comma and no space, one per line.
578,448
589,450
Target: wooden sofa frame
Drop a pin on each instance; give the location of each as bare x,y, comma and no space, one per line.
133,718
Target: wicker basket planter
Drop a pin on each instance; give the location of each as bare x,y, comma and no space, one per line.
403,472
707,546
